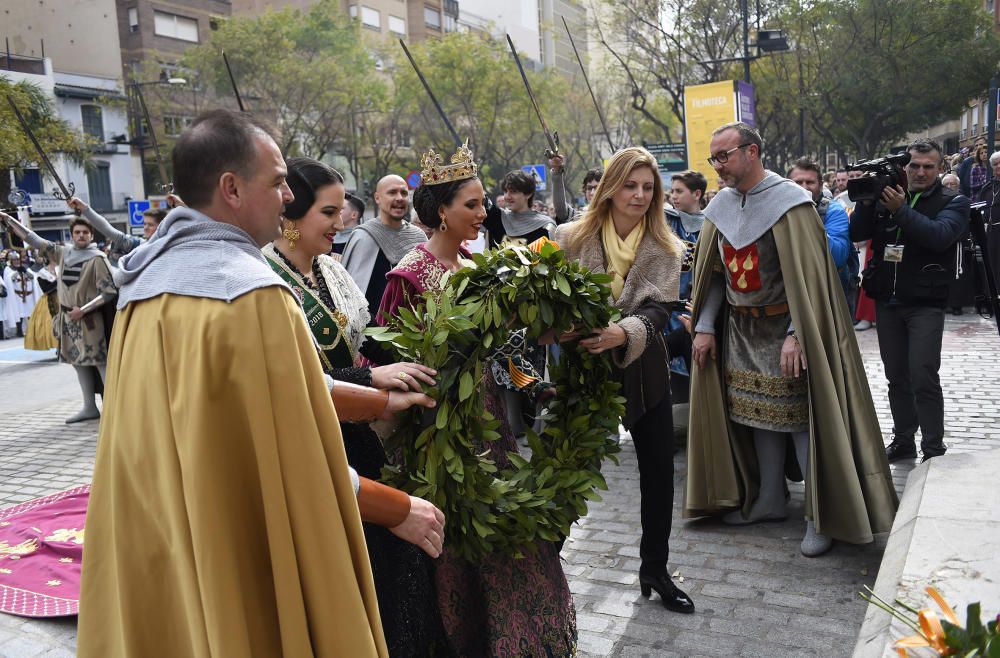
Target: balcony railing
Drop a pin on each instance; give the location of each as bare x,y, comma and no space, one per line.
22,64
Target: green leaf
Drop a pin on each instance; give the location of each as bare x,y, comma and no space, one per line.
465,386
563,285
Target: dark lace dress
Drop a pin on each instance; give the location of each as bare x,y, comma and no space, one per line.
402,572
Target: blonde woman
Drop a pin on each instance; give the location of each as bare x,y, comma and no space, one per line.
623,234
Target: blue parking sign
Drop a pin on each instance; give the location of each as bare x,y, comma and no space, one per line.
135,210
539,173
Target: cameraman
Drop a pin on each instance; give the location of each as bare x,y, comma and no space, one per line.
914,236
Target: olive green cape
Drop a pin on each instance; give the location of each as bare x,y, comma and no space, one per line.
849,490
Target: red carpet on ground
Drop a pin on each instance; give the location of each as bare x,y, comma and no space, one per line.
41,547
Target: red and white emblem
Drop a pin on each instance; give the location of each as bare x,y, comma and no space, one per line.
743,267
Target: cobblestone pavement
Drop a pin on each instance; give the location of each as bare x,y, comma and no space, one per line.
755,594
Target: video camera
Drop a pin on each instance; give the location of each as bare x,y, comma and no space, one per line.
879,173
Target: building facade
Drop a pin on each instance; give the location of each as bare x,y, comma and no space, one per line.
75,59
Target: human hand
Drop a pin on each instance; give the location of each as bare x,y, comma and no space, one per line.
686,321
423,527
793,359
556,162
76,314
402,401
703,349
403,376
77,204
601,340
893,198
174,201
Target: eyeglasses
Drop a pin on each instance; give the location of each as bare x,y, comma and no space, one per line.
722,157
590,188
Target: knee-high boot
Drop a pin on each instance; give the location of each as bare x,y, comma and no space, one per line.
88,385
770,503
813,544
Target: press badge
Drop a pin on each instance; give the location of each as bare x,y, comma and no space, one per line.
893,253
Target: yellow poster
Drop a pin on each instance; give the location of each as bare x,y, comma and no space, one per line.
706,107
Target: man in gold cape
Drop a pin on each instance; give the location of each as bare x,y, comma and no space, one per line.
849,490
223,520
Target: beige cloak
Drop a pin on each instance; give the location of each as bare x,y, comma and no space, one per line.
222,520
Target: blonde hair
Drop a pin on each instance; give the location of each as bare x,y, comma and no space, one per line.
621,165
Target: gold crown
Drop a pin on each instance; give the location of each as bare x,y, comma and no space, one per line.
436,172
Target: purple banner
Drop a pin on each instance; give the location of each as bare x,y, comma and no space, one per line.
746,107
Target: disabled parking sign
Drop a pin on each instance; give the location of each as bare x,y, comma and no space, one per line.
135,210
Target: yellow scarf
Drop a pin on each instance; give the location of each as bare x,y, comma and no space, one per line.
620,253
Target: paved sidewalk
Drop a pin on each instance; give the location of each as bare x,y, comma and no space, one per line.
755,594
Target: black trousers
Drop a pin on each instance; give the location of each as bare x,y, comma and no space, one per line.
993,247
909,339
653,437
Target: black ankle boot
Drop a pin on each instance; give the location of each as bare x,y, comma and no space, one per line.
672,597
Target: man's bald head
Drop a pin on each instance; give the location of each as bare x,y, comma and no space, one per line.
393,199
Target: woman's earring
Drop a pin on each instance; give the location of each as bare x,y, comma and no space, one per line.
291,234
444,225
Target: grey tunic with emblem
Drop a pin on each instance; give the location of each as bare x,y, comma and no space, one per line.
758,395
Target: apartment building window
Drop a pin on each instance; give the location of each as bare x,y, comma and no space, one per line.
174,125
432,17
371,18
397,25
175,27
93,122
133,19
450,24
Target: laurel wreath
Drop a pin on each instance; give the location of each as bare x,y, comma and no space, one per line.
441,454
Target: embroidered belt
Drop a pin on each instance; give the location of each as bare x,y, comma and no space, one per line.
762,311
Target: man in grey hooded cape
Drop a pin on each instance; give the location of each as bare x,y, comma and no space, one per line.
776,357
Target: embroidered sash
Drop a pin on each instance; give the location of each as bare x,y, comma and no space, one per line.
327,325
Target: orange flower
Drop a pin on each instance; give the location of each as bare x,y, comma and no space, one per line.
931,631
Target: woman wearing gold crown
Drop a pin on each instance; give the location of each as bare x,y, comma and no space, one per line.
624,235
501,607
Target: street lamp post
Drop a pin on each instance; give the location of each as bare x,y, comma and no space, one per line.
991,120
768,41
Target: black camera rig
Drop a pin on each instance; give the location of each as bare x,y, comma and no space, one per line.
878,174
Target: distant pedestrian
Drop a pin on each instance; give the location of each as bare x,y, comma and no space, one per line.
85,288
22,293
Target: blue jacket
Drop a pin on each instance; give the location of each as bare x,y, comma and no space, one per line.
837,226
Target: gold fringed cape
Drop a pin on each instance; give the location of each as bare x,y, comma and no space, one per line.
222,520
849,490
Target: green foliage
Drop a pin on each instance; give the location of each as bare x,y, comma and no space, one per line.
55,135
443,453
867,72
308,69
477,83
976,639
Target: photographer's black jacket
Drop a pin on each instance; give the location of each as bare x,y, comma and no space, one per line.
928,232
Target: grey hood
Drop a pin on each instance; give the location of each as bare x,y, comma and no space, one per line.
742,219
191,254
